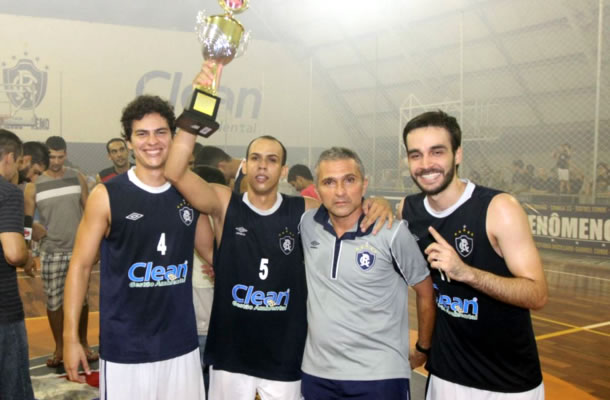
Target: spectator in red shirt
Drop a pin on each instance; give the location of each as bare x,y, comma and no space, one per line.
299,176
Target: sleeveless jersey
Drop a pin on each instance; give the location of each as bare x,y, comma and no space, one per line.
146,301
478,341
258,321
58,201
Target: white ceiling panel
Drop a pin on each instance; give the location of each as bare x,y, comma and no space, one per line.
367,102
505,16
347,78
336,55
481,56
490,86
556,77
393,72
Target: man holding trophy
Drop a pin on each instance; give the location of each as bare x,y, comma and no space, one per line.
254,344
258,322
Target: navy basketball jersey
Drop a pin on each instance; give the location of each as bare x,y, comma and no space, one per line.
146,302
258,322
478,341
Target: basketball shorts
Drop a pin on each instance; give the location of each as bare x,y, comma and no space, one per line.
226,385
178,378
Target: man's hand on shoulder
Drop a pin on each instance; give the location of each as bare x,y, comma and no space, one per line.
376,210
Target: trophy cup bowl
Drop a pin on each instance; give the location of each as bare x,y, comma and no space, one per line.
222,39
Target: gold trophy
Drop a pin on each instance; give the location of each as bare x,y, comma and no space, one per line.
222,38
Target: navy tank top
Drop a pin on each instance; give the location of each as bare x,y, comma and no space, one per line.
478,341
258,322
146,302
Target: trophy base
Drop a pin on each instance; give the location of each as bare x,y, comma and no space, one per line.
196,123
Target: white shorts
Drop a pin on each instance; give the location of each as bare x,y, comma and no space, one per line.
440,389
563,174
226,385
176,378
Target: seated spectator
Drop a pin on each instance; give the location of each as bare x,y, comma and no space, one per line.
577,180
542,182
519,181
528,177
602,179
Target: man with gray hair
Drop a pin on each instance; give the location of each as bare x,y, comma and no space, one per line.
358,326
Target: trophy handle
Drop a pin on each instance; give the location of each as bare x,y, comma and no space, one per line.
243,45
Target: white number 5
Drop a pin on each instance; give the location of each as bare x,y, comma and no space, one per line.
264,269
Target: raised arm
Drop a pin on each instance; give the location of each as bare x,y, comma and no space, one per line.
509,232
204,239
94,225
208,199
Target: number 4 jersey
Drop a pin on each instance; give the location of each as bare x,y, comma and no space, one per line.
146,302
258,322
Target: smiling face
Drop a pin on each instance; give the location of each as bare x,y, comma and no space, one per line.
150,141
264,166
341,187
432,163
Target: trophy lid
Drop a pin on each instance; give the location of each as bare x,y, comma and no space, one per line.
234,6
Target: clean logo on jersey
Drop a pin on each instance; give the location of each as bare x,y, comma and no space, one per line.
248,298
456,306
366,256
241,231
287,241
185,211
145,274
464,241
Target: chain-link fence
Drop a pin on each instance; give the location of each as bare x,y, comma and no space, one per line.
527,92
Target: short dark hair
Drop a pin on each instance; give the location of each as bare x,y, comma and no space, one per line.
269,137
299,170
143,105
38,151
439,119
197,148
210,174
56,143
211,156
116,139
10,143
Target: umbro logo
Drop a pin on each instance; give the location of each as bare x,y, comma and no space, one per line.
314,244
241,231
134,216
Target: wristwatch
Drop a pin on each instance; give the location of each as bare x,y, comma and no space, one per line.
421,349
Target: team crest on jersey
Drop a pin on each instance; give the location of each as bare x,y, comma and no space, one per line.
287,241
186,213
464,242
365,257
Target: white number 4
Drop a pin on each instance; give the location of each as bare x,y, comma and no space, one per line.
161,247
264,269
